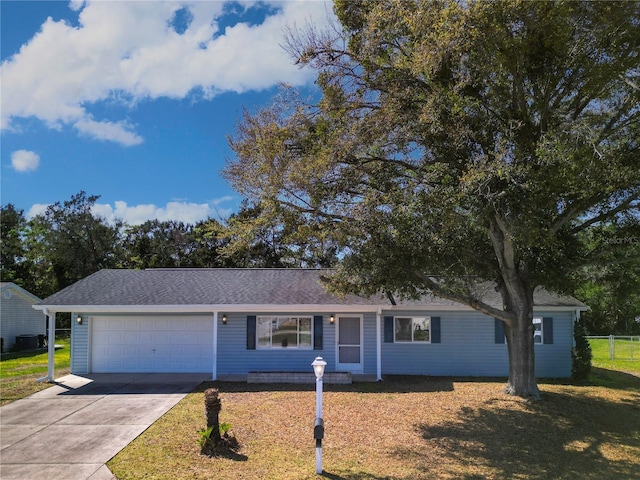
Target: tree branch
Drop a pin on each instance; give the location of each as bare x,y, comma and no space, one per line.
466,299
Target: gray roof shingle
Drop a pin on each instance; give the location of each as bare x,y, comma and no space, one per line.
200,286
230,286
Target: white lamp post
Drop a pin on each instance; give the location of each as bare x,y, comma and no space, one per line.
318,426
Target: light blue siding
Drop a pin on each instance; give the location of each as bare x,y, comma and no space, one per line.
468,348
80,345
234,358
369,347
554,361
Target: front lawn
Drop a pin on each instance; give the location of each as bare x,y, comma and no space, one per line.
403,428
19,371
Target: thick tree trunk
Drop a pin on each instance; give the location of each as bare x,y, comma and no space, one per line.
517,296
522,376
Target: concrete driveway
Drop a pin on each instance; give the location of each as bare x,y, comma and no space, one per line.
69,431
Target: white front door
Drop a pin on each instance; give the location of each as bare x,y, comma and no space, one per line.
349,348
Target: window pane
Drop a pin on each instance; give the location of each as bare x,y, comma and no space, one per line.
537,330
305,325
403,329
264,331
421,329
285,333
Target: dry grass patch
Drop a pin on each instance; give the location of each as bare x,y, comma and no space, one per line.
402,428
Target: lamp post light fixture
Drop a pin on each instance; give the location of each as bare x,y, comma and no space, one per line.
318,426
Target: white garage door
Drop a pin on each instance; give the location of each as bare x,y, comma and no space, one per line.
152,344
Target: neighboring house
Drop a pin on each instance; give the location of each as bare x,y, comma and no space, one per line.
229,322
17,316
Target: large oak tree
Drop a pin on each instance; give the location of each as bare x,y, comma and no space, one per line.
459,143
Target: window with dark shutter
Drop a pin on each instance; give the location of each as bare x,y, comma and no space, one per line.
435,329
547,330
317,332
388,329
251,332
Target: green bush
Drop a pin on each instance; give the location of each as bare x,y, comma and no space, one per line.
581,353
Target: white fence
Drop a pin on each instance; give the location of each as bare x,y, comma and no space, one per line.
622,347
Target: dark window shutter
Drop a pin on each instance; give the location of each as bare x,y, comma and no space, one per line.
388,329
547,330
251,332
499,331
317,332
435,329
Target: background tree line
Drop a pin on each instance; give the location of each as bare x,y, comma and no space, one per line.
68,242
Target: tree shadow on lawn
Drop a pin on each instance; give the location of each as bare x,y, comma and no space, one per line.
566,435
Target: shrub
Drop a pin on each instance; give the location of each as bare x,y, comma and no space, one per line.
581,353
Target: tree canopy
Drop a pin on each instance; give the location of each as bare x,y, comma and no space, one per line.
69,241
456,143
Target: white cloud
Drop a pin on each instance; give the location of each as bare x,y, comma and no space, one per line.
115,132
186,212
129,49
36,209
25,160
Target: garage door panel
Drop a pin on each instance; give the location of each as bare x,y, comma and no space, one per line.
152,344
166,337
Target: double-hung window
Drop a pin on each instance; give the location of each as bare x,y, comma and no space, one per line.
284,332
412,329
538,333
542,331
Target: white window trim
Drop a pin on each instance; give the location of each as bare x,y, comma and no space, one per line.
413,319
271,345
539,333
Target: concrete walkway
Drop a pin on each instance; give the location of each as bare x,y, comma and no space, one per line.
69,431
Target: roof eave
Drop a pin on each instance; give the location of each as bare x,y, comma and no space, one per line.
319,308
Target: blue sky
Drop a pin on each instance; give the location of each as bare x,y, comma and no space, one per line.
133,100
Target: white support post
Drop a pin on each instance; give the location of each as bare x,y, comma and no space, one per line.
319,397
51,347
319,415
319,457
612,354
214,373
318,427
378,346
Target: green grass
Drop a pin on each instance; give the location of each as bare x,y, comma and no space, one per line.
19,371
624,352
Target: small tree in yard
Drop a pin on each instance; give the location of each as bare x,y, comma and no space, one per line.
215,439
458,144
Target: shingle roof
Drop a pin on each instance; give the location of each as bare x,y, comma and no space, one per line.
227,286
224,286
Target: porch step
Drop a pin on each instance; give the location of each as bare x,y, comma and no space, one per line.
298,377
